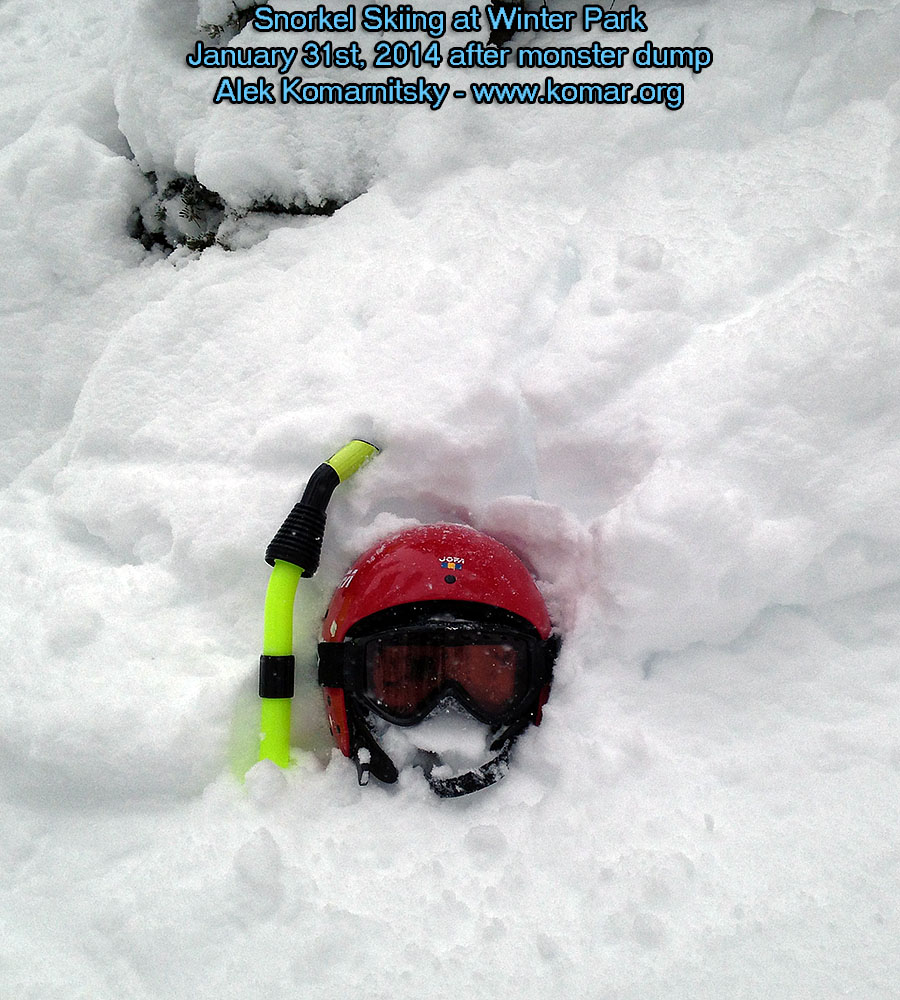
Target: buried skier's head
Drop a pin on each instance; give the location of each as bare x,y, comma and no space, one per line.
443,629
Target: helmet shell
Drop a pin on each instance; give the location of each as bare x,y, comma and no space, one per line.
435,562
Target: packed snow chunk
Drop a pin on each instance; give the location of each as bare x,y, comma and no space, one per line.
459,741
67,212
67,205
275,153
259,874
688,557
216,17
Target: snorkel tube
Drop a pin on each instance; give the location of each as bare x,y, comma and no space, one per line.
294,553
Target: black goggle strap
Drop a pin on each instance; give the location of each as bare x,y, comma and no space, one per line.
333,660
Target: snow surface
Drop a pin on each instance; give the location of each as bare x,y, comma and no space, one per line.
657,352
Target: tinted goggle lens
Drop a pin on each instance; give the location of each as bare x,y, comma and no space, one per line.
402,677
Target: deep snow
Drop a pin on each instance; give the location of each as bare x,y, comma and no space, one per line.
656,352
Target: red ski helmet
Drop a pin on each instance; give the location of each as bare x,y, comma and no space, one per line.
436,562
462,601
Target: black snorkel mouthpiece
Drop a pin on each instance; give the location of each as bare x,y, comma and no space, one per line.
299,539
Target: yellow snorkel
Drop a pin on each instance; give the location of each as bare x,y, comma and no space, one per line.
292,553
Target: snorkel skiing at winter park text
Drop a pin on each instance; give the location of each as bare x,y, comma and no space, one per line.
426,52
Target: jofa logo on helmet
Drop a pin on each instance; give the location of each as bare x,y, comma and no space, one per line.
452,563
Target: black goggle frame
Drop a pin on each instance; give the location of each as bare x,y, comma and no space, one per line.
343,665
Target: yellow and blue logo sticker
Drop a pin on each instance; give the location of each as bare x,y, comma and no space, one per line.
452,563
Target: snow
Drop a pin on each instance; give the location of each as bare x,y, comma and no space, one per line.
655,351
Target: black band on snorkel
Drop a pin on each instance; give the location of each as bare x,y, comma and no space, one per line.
276,676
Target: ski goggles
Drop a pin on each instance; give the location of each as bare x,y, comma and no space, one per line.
402,674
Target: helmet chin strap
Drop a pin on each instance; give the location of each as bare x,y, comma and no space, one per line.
470,781
371,758
366,752
488,773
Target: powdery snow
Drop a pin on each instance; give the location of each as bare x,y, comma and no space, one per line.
656,352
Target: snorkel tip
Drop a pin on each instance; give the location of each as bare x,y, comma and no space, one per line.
349,459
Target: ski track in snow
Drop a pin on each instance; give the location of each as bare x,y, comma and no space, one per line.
656,352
